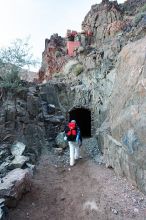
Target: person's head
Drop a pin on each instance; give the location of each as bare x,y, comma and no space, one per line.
73,121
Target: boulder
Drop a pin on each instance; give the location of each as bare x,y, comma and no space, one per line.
18,162
60,142
14,185
17,149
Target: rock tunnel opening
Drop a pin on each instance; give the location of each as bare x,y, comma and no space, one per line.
83,119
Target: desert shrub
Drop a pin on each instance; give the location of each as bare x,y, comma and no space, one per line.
12,60
78,69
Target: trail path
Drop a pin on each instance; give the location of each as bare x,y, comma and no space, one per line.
86,191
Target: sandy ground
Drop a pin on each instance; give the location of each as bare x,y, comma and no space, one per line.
86,191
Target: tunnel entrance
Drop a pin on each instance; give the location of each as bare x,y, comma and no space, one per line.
83,119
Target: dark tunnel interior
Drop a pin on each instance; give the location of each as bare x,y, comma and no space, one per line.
83,119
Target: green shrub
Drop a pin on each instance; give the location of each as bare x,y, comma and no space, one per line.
12,60
78,69
10,80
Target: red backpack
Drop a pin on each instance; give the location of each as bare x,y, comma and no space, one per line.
72,129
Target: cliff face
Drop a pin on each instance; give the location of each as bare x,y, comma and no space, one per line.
54,57
110,83
104,20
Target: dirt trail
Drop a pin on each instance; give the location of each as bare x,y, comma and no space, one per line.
86,191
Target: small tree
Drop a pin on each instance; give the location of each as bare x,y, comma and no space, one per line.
12,60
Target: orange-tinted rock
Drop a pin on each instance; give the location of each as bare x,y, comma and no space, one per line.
115,27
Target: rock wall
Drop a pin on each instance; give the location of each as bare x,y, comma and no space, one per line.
124,146
27,117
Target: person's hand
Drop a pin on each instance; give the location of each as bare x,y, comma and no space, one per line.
65,138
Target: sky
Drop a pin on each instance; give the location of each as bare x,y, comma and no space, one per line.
39,19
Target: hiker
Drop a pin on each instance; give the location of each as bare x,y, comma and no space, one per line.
74,139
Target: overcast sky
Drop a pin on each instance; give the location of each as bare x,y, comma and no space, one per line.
40,18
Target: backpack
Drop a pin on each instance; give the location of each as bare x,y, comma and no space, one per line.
72,130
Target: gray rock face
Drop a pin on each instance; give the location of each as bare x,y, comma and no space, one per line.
125,147
14,184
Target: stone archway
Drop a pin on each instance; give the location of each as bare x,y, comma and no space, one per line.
83,119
